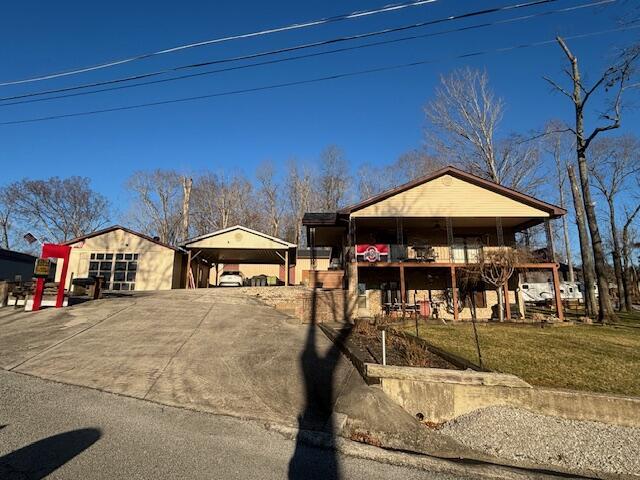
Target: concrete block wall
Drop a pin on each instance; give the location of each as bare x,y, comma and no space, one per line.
417,391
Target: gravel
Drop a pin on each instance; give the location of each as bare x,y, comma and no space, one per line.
511,433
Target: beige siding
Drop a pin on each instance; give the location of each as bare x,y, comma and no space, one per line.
156,264
448,196
237,239
305,264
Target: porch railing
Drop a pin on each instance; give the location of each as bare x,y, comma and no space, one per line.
446,254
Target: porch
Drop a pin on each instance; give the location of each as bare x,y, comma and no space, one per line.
420,266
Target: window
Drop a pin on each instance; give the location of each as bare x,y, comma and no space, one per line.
118,270
362,295
479,298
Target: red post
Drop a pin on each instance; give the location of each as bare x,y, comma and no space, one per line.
52,250
37,298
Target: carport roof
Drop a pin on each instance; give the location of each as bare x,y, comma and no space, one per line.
240,244
283,244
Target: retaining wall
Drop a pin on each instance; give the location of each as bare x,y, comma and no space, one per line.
442,395
306,304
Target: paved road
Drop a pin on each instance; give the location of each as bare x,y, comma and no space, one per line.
77,433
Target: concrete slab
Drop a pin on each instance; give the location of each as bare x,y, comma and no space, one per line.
211,350
24,335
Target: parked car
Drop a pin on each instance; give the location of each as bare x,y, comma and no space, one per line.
231,278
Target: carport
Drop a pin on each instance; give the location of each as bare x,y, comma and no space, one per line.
238,245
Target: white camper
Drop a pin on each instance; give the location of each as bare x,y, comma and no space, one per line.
541,292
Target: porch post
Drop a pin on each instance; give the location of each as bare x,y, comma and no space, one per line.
454,289
311,240
507,305
403,290
557,295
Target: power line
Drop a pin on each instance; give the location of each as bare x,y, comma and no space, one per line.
294,26
288,59
318,79
282,50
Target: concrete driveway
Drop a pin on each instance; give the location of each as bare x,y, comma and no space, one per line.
211,350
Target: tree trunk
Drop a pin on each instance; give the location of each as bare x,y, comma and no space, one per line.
605,310
585,254
500,307
5,235
627,279
617,263
565,229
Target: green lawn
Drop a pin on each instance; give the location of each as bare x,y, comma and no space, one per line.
581,357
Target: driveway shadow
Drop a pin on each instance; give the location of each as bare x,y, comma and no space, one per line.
40,458
309,462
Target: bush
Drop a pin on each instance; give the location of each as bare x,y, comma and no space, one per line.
364,327
414,354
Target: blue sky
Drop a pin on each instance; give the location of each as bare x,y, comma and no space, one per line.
374,118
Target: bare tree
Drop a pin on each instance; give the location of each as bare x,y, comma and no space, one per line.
627,245
334,182
614,79
269,197
411,165
300,195
612,163
58,209
187,185
465,115
6,216
495,267
204,204
158,203
374,179
556,146
220,201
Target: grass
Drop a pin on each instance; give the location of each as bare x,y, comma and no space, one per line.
583,357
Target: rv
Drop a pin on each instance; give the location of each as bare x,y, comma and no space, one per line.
541,292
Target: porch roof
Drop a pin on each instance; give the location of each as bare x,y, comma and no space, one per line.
447,195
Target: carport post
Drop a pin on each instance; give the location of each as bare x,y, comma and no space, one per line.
186,282
286,267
